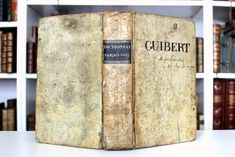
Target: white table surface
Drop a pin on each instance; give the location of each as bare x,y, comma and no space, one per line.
207,144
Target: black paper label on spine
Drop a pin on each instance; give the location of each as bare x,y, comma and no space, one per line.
117,51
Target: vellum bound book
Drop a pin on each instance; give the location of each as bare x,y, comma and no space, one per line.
116,80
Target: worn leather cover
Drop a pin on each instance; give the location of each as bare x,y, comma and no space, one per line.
165,107
88,97
69,83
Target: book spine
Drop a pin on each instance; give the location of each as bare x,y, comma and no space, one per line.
34,34
31,122
9,52
4,53
218,110
216,47
2,106
117,81
0,51
35,38
30,60
1,10
8,10
4,120
230,105
199,51
14,10
11,119
12,104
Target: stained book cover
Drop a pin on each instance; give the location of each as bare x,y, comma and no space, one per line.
116,80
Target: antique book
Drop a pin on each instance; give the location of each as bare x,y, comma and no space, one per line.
30,57
9,52
4,120
1,10
216,47
6,10
31,122
34,39
200,55
4,53
0,51
12,104
2,106
227,54
219,101
11,123
230,105
113,81
14,10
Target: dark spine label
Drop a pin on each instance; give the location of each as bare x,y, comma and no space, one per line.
117,51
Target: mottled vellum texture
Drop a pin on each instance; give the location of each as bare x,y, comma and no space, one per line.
165,108
117,87
69,91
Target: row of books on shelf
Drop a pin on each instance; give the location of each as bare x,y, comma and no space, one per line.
8,116
8,10
224,104
7,51
224,45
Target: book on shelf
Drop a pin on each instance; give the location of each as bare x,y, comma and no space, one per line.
0,51
8,120
8,52
31,122
1,10
32,51
4,53
224,104
227,54
200,116
14,10
8,10
12,104
200,121
126,83
199,55
2,106
216,47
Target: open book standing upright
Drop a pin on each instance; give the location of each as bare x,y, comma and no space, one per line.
116,80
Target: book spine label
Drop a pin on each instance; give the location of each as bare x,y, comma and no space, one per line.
117,51
117,81
218,110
